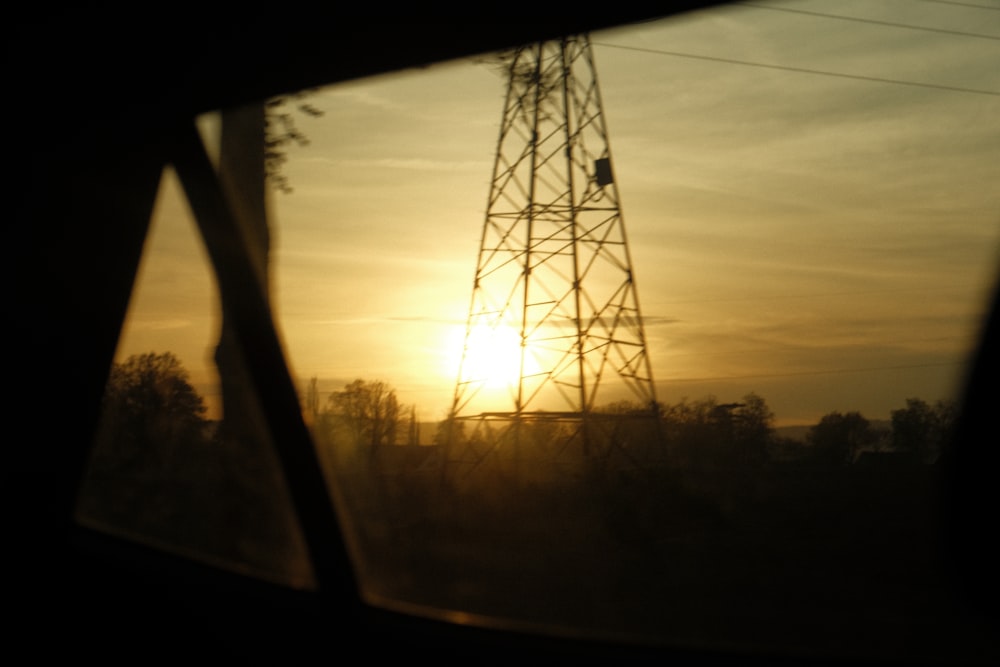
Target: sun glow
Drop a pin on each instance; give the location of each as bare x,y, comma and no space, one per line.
492,356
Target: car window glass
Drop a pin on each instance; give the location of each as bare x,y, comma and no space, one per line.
166,468
812,232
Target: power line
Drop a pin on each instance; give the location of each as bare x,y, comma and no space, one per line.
872,21
965,4
802,70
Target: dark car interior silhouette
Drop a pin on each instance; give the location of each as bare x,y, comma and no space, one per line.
98,105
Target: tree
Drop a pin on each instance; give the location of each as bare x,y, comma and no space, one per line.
838,437
150,411
368,411
159,470
753,429
706,433
692,428
280,131
923,430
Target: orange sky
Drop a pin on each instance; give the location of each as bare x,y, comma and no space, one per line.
820,230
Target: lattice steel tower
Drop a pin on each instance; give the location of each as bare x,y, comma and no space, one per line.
554,272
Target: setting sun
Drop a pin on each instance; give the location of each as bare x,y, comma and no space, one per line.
492,356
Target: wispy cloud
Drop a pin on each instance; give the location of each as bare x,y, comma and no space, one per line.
159,325
403,163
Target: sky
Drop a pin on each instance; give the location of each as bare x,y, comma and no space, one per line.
809,190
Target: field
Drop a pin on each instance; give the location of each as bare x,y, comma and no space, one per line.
847,561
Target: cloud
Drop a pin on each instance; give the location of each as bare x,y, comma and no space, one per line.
404,163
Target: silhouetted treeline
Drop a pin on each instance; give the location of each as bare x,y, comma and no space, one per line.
710,434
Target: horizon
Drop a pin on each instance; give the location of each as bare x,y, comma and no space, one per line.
210,393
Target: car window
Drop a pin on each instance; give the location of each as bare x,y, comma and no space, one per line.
812,235
166,469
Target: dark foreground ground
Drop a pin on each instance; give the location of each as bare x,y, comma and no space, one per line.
847,562
843,562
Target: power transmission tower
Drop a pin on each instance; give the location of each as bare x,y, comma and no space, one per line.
554,276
